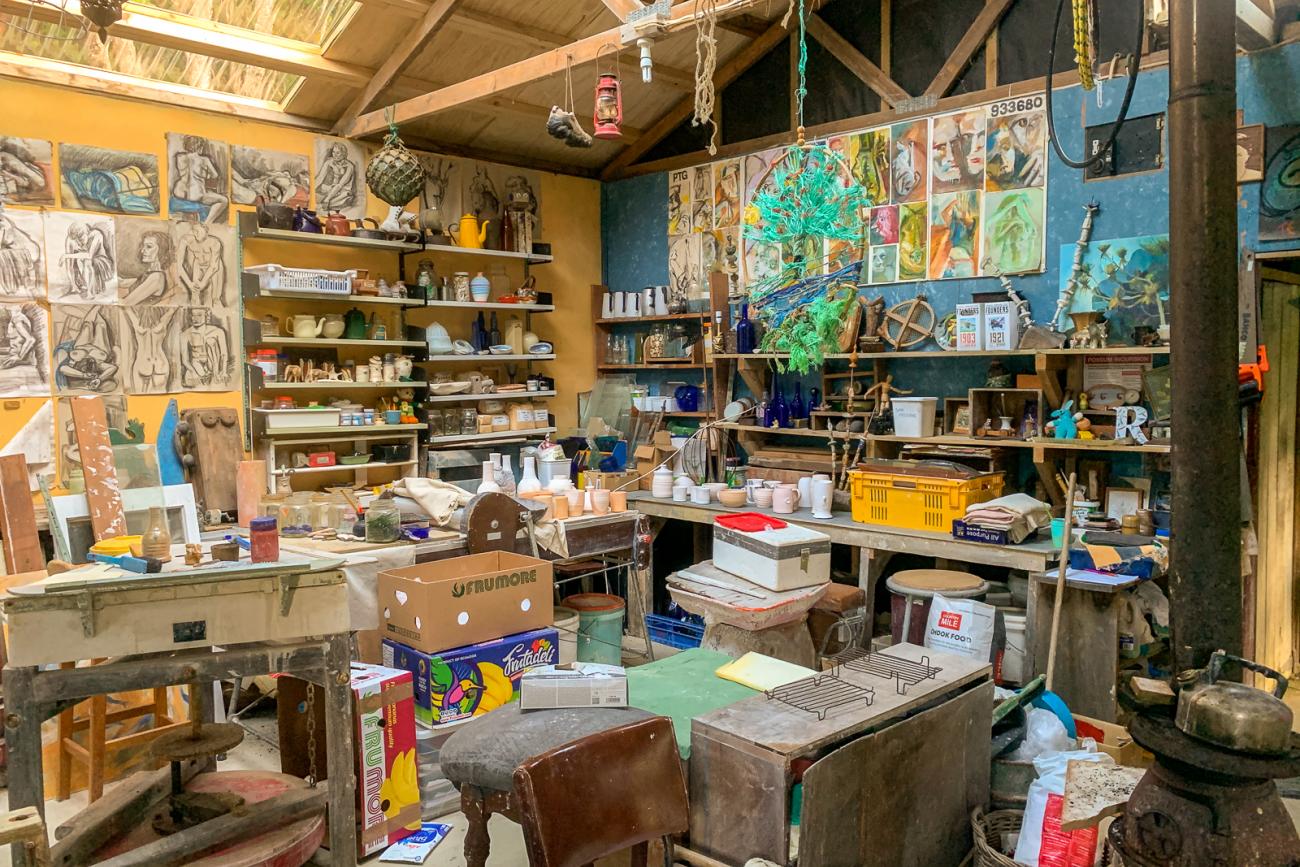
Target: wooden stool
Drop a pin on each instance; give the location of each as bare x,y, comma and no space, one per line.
917,586
99,747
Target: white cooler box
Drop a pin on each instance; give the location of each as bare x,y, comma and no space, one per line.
783,559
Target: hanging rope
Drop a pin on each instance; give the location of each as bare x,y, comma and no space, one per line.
1085,48
706,64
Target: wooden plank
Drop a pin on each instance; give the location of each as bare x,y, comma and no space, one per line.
25,829
1085,676
523,72
621,8
1094,791
107,517
970,43
855,61
726,73
1256,24
22,544
886,40
722,775
991,57
399,58
914,805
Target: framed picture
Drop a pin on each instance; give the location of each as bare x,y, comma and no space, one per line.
956,412
1123,501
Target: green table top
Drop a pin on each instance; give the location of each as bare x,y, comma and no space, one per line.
684,686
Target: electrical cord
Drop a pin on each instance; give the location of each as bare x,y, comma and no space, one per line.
1134,62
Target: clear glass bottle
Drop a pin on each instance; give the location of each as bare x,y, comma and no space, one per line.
383,521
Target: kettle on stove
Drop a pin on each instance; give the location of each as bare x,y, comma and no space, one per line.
1233,715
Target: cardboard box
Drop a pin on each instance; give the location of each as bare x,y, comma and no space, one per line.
464,600
383,708
1115,741
1001,326
470,681
970,328
576,684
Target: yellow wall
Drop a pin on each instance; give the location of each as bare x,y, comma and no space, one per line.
571,223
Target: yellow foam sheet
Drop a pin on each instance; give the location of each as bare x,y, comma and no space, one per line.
757,671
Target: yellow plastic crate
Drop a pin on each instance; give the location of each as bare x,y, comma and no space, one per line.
918,502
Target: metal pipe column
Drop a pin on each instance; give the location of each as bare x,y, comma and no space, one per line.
1205,580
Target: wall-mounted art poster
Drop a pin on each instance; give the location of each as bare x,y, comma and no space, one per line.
22,259
24,353
198,178
683,266
954,234
720,253
145,261
869,159
840,254
86,357
208,346
883,264
702,198
957,152
1127,279
340,179
882,227
1250,153
679,202
26,171
454,187
726,194
762,261
108,181
205,257
435,196
151,349
909,161
1012,233
1279,194
1016,155
273,175
82,257
913,234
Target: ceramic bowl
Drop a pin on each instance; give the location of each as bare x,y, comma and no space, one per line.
732,498
462,347
352,460
449,387
714,489
501,349
540,348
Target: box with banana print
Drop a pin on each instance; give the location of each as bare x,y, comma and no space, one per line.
465,682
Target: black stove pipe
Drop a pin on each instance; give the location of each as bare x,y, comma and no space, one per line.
1205,562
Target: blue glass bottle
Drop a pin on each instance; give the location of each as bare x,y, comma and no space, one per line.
769,411
814,398
744,331
797,409
782,408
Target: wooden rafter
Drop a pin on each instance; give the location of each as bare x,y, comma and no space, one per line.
961,57
855,61
621,8
1256,24
728,72
410,47
523,72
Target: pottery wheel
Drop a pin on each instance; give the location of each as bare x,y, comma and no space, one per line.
182,744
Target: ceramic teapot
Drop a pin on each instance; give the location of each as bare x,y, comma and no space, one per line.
306,221
468,233
337,224
332,326
354,325
304,325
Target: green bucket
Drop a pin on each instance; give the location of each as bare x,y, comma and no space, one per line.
600,626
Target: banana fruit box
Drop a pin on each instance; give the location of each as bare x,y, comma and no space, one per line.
466,682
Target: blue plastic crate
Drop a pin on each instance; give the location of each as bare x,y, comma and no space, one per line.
674,633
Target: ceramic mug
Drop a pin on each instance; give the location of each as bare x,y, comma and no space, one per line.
785,499
575,497
600,501
560,507
823,491
763,498
700,495
681,494
805,489
618,501
752,487
772,484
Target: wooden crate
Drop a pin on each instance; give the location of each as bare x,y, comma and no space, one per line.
991,403
952,407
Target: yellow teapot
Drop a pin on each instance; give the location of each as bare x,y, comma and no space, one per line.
468,233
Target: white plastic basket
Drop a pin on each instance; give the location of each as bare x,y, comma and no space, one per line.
283,279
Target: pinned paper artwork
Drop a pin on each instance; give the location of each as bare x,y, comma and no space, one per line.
869,160
86,358
954,235
24,355
198,178
679,201
957,152
702,198
726,194
883,225
883,264
913,231
22,259
151,349
1250,153
909,161
82,257
720,253
1016,151
1013,235
1127,279
1279,192
145,262
762,261
339,181
683,265
273,175
108,181
26,171
205,257
206,350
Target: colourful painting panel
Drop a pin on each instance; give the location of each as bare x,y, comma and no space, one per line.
1125,278
1016,151
957,152
909,161
954,234
1013,233
912,240
869,158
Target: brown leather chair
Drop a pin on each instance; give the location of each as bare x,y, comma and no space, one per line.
633,791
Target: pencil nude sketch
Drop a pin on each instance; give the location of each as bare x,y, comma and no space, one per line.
26,171
108,181
144,261
86,357
150,343
340,178
69,456
22,265
82,255
272,175
204,266
24,356
198,178
206,360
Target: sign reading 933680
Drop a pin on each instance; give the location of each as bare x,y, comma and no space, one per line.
1017,105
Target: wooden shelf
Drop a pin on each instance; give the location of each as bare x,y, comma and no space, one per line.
357,433
492,305
326,342
637,320
367,466
480,398
683,414
332,384
250,231
451,250
1049,445
486,359
495,437
666,365
940,353
290,295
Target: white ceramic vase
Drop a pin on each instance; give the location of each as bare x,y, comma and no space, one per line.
529,484
489,483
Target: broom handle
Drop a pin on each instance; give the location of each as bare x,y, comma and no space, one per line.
1062,567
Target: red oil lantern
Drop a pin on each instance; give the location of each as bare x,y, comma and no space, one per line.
609,106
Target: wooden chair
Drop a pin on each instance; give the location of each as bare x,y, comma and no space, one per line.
633,791
98,748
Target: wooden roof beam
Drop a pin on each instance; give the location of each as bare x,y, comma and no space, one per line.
407,50
522,72
728,72
855,61
988,18
621,8
1256,24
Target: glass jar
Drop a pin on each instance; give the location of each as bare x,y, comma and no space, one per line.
451,423
264,534
383,521
468,421
426,278
296,515
435,424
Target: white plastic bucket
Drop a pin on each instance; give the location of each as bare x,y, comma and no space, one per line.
1014,658
566,623
914,416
